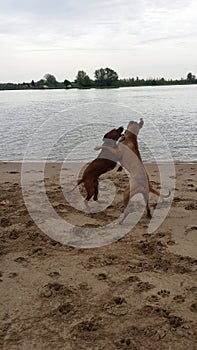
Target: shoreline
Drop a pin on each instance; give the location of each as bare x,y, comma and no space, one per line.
96,87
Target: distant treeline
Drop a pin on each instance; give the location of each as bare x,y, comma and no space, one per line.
103,78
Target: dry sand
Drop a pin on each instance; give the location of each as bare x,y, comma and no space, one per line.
137,293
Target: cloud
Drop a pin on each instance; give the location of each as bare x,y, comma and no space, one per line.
57,21
105,28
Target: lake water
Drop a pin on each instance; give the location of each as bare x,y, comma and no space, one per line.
59,124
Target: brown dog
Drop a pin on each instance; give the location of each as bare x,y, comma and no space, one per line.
127,153
103,163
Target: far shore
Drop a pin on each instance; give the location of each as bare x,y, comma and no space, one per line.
96,87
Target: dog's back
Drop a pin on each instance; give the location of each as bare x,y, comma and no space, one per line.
103,163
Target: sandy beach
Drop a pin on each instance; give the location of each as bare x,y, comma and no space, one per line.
136,293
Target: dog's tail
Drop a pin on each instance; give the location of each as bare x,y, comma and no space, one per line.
151,189
78,183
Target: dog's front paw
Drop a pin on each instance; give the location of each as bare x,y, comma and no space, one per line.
97,148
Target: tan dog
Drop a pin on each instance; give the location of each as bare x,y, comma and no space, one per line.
127,153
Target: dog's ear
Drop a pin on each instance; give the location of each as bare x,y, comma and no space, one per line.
121,129
114,134
141,123
110,134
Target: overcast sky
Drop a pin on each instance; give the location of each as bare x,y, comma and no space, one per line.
145,38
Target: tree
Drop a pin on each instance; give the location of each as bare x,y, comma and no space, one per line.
83,80
106,77
40,83
191,77
33,83
50,80
67,83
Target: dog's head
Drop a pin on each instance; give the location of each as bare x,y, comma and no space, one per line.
134,127
113,134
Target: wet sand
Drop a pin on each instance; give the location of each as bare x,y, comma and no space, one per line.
136,293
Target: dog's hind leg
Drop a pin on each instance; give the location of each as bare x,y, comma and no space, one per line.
89,186
146,199
95,190
130,191
128,194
